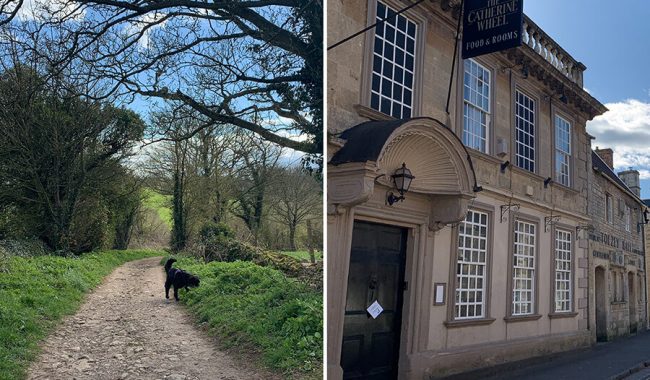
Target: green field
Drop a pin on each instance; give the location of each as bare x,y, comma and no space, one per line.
160,203
36,292
256,308
303,255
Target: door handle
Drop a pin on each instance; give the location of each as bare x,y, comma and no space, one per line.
373,283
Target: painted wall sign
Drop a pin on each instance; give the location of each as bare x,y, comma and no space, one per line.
602,255
491,25
613,241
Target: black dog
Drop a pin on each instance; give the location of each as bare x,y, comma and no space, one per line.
178,278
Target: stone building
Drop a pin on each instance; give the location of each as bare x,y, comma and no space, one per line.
481,261
615,236
646,245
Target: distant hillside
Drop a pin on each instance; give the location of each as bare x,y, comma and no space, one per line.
160,203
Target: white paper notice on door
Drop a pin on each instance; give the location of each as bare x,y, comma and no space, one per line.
375,309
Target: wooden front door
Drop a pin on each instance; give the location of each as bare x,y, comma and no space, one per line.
377,259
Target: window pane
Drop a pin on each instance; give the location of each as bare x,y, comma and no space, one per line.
562,271
394,53
476,87
523,289
470,274
562,151
525,125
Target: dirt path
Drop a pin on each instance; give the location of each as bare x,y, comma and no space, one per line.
126,329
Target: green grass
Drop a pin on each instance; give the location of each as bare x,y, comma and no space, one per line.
36,292
303,255
259,308
160,203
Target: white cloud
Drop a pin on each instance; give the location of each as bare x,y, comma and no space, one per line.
139,24
50,10
290,157
626,129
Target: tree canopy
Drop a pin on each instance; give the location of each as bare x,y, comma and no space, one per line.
256,65
53,145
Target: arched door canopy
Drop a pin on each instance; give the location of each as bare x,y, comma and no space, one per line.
374,149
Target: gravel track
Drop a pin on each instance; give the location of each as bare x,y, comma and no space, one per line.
126,329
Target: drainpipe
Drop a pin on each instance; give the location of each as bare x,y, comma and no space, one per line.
645,271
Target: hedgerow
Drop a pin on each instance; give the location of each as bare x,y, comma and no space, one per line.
221,247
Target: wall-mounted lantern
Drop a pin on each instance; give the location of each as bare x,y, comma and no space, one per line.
402,179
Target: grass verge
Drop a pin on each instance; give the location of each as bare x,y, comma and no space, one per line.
303,255
252,307
36,292
160,203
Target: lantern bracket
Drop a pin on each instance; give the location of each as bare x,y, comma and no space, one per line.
507,208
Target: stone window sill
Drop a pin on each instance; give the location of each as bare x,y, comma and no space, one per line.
486,156
469,322
565,188
522,318
562,315
370,113
522,171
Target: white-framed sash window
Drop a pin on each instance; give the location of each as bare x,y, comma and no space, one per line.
393,64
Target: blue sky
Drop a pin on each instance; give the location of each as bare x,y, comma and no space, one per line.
613,40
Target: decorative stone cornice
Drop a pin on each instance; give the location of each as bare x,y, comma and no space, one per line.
543,58
351,184
558,83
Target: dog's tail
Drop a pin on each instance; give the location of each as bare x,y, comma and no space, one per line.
168,264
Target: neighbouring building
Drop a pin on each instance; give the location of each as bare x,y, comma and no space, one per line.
617,258
484,260
646,245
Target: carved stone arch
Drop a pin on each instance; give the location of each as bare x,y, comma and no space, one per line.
375,149
433,152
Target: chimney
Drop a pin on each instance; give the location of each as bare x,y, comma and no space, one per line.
606,155
631,179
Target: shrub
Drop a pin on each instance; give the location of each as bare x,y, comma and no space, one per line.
222,248
213,230
22,248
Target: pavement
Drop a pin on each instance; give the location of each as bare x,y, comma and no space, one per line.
625,358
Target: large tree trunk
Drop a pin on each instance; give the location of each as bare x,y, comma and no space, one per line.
292,237
179,228
257,216
124,230
310,242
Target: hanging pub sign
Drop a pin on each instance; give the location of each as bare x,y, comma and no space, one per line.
491,25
